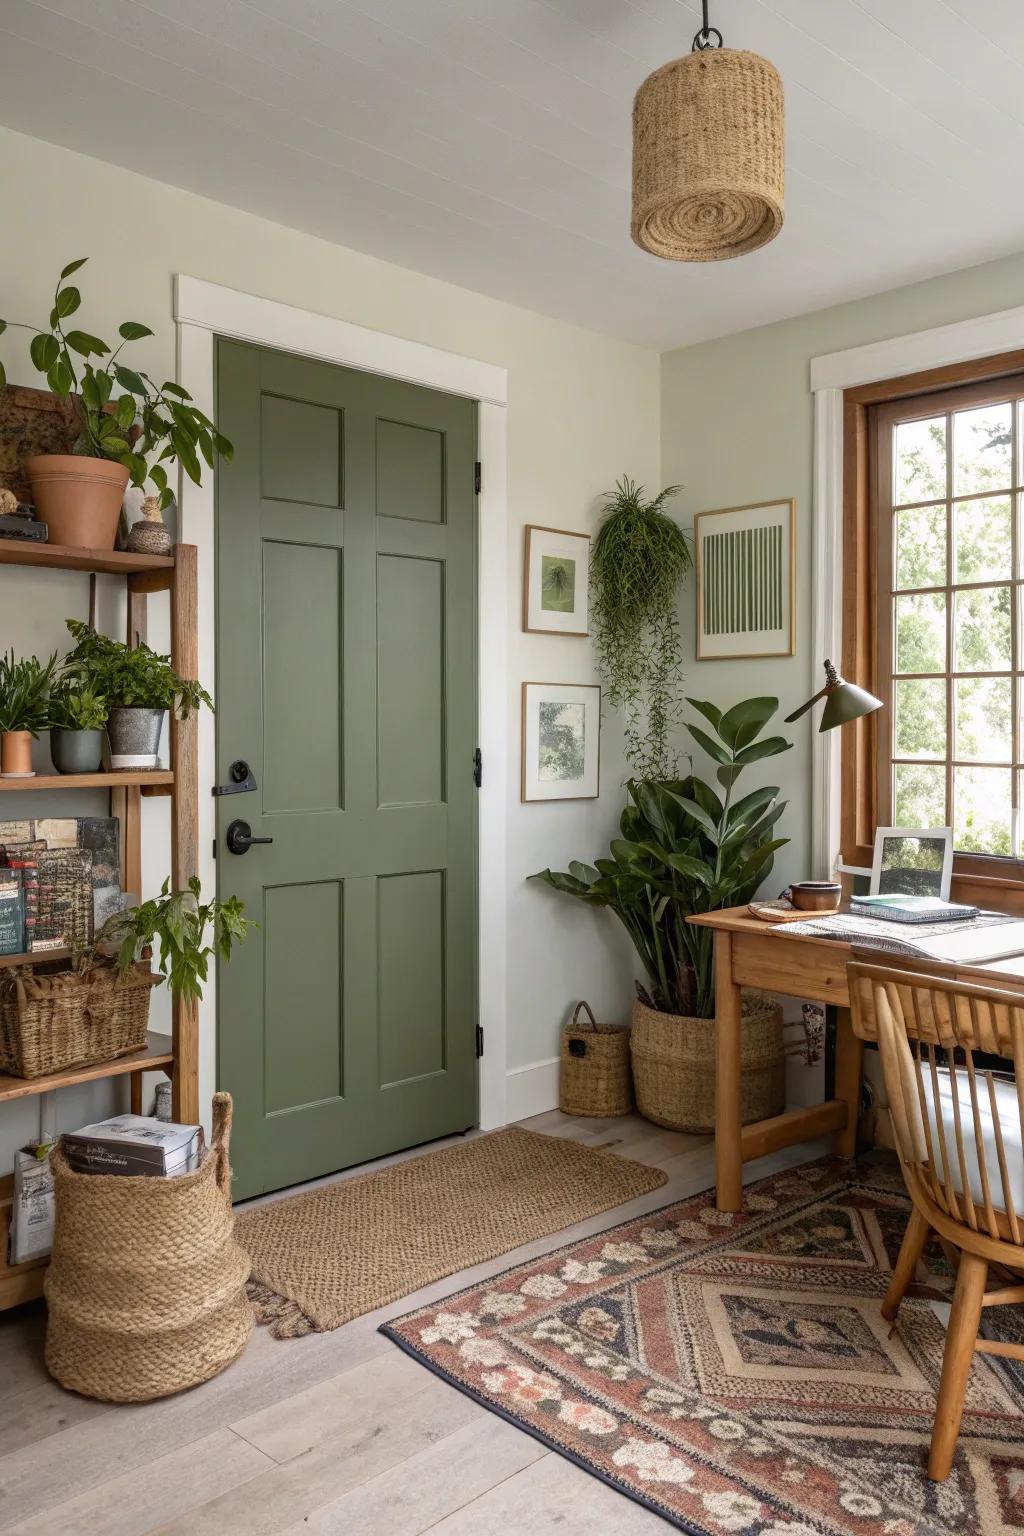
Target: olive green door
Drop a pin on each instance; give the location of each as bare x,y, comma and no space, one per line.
346,680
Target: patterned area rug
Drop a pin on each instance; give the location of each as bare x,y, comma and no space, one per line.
734,1373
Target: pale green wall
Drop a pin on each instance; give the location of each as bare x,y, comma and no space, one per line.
737,427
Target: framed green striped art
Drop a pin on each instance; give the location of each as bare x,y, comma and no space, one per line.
746,566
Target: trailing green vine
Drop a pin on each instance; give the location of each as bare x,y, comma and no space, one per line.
637,562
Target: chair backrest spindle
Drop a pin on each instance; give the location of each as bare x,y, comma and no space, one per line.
958,1128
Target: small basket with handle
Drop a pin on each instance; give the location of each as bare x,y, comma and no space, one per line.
594,1074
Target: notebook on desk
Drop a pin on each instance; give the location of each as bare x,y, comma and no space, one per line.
976,941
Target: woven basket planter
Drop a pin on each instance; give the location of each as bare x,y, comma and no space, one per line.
594,1076
708,156
49,1023
674,1065
146,1286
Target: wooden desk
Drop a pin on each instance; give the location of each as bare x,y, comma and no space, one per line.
770,957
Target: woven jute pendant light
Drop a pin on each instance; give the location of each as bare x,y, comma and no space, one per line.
708,154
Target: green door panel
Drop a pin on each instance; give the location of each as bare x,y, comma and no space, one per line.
410,681
346,678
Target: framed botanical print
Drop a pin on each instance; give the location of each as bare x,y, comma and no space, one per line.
746,569
561,741
555,571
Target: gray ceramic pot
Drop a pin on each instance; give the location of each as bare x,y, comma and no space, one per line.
76,751
134,736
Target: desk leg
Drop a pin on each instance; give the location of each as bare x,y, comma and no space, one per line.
728,1150
849,1060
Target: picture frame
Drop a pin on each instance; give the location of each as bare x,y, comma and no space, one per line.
929,875
560,742
745,561
555,581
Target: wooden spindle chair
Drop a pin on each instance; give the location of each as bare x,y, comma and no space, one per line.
959,1133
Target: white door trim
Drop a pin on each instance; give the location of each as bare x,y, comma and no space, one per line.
983,336
202,312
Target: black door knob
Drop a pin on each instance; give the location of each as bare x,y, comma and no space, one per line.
240,839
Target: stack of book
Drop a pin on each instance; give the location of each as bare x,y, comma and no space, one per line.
135,1145
12,913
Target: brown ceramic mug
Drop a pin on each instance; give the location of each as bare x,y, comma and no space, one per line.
814,895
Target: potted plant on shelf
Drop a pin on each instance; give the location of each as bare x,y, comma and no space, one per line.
685,849
639,558
138,685
79,495
24,692
77,716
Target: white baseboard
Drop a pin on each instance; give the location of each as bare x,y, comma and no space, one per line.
531,1090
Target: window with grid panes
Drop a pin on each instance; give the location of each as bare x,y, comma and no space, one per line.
949,496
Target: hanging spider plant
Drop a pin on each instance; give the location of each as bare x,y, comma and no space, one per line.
637,564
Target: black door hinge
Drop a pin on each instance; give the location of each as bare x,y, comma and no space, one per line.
476,478
215,847
478,768
479,1040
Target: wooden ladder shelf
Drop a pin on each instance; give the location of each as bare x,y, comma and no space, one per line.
178,1054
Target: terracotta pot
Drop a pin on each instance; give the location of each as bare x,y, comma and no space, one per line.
78,498
16,752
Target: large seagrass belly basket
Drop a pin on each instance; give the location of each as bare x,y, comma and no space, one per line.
146,1286
674,1065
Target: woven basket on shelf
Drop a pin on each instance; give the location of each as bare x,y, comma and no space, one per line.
52,1022
594,1076
146,1286
708,156
674,1065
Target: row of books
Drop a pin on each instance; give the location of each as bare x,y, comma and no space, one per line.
46,900
60,879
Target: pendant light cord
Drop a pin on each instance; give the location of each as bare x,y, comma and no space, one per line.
703,38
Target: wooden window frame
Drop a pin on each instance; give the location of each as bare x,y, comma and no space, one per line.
977,877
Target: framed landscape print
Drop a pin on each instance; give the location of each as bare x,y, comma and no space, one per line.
555,572
746,565
561,741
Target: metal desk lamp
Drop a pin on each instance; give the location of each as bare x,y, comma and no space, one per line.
844,701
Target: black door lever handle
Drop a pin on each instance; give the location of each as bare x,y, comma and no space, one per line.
239,837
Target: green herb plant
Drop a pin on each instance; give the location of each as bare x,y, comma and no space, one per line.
76,708
637,563
25,684
147,420
127,676
684,848
187,930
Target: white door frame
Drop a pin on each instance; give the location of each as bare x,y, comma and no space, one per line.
831,374
204,311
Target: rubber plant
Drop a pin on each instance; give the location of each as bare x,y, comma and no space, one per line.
686,848
638,561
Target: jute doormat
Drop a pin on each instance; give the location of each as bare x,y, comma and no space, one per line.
734,1372
322,1258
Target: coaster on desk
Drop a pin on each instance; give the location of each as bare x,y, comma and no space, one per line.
783,911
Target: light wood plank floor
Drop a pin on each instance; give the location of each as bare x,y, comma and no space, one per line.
338,1432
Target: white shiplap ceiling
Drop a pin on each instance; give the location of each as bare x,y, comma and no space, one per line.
488,141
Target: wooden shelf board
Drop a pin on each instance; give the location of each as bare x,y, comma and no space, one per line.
113,562
28,958
156,1053
137,780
